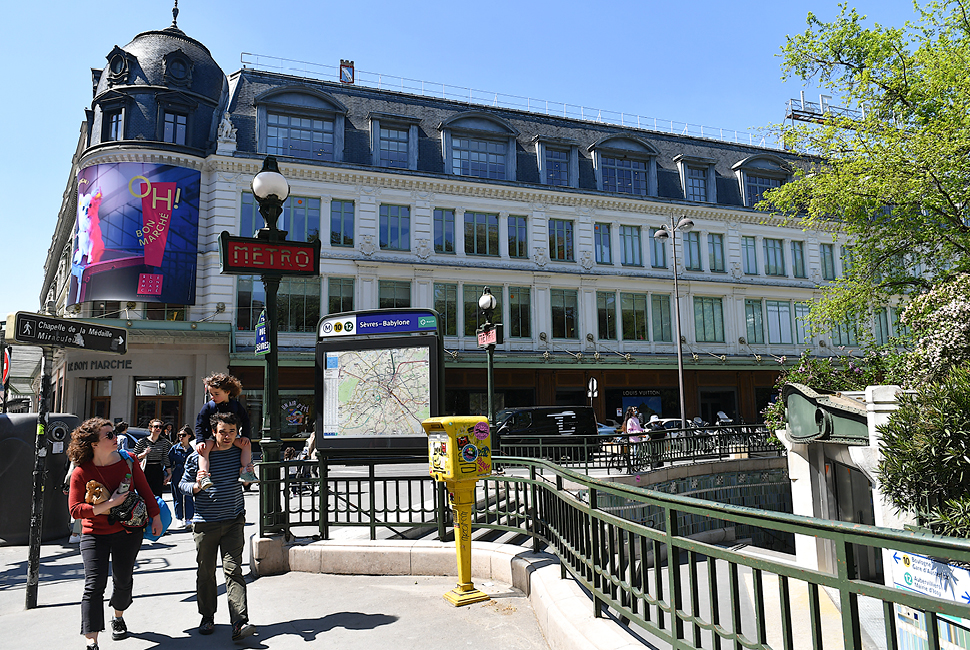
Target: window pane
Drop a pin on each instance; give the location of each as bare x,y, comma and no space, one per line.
479,158
827,254
774,257
601,243
692,251
520,312
557,167
394,147
798,259
630,241
749,254
606,314
561,240
392,294
565,308
340,295
290,135
633,310
444,231
518,239
779,321
757,186
395,227
754,321
341,223
715,252
481,233
658,251
696,184
624,176
446,304
660,308
802,310
708,319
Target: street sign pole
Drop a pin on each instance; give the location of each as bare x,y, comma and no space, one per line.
40,479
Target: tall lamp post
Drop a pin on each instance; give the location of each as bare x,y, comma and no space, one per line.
270,190
487,338
684,225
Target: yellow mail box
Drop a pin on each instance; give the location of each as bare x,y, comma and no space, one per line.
459,447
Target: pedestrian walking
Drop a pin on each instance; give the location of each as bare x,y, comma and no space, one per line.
180,451
152,450
218,524
101,471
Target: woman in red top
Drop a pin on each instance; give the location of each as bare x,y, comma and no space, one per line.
94,449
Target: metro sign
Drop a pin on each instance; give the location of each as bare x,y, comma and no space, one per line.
491,336
247,255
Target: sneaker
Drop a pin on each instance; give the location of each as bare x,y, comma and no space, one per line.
242,629
248,477
207,626
205,483
75,539
92,646
119,630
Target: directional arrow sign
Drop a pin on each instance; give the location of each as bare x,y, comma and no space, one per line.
34,329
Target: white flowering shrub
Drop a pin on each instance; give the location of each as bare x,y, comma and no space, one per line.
940,324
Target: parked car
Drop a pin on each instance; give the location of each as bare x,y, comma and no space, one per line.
520,428
605,429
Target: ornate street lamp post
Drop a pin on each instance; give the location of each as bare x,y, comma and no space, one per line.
662,234
270,190
487,303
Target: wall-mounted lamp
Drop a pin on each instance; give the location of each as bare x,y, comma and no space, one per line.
589,337
542,336
742,340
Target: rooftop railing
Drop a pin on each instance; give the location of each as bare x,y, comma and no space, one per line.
323,72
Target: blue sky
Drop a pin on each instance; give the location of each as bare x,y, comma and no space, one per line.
706,62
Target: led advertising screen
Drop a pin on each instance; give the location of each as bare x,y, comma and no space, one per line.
136,234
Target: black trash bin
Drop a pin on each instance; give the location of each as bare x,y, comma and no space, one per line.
18,433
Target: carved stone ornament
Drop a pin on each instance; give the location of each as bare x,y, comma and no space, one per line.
736,270
540,256
816,276
422,248
586,260
367,246
227,132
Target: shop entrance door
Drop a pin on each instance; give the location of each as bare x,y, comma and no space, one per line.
158,398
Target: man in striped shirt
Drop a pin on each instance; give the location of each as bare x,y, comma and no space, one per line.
218,526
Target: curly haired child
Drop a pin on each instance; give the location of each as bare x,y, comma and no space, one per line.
224,389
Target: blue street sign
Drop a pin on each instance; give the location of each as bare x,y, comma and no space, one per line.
392,322
262,345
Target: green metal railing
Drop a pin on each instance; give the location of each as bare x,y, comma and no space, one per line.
683,591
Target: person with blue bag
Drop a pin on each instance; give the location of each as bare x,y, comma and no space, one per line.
184,503
112,498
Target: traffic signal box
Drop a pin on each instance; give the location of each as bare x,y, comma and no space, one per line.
459,452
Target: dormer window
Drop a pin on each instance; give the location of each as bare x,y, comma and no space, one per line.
302,123
119,66
625,164
558,160
758,174
697,177
113,126
479,145
177,69
394,141
174,127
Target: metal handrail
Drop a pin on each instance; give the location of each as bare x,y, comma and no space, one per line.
325,72
680,589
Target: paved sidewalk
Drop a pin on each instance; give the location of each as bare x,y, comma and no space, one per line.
347,612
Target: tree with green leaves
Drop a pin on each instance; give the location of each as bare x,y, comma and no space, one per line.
890,175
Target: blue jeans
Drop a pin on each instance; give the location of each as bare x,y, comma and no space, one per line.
184,503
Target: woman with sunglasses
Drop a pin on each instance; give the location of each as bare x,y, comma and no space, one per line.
184,503
153,451
94,449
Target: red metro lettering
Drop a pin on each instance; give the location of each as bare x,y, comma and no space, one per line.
277,257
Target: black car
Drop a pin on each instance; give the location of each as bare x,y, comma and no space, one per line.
518,431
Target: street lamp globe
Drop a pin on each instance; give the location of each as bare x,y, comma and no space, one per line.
685,225
270,183
661,234
487,301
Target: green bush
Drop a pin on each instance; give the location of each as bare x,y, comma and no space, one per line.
926,454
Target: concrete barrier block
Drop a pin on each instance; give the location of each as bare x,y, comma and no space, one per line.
268,556
306,559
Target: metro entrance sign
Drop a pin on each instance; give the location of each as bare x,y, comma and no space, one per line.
250,255
34,329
